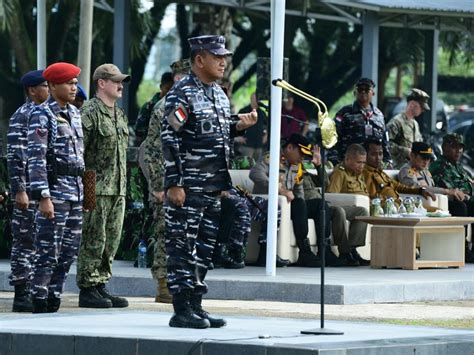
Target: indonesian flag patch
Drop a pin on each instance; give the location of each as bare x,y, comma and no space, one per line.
181,114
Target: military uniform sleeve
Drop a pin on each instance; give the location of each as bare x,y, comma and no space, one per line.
336,182
438,172
17,146
153,154
175,116
405,189
259,175
37,149
394,128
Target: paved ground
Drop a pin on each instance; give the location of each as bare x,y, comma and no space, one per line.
459,314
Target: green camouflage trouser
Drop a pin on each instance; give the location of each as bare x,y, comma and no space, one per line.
158,270
101,233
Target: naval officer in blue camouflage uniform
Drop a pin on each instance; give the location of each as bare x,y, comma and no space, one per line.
196,132
36,90
55,167
360,122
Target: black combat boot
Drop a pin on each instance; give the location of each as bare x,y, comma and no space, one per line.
306,257
359,258
40,305
89,297
196,307
348,259
238,254
183,316
222,259
262,257
53,304
22,299
117,302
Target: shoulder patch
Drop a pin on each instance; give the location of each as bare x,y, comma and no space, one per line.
411,172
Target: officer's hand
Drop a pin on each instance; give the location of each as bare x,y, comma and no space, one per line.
288,194
159,196
21,200
46,208
176,195
459,195
316,156
246,120
426,194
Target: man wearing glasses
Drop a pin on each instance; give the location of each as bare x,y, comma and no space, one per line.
105,144
360,122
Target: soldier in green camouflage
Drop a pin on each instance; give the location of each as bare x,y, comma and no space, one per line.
143,120
152,165
105,129
447,172
404,130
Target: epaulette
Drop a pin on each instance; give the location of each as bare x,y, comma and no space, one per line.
412,172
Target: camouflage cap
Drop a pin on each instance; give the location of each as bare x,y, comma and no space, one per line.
453,139
420,96
182,66
210,43
110,72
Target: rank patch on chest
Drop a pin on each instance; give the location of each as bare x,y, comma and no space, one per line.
41,132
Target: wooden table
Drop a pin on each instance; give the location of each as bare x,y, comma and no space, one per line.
394,240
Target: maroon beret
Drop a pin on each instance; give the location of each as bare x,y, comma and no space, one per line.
59,73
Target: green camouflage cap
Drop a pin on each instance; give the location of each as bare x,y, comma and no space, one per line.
182,66
420,96
453,138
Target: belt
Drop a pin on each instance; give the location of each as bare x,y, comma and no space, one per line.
67,170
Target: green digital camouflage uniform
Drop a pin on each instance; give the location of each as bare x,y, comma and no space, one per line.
452,176
105,145
154,164
402,133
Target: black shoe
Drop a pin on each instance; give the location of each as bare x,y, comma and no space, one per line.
196,307
117,302
332,260
359,258
262,258
91,298
348,260
40,306
307,258
211,266
187,319
22,299
281,262
222,258
53,304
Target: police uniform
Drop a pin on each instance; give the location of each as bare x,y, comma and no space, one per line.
106,142
356,124
195,137
411,176
55,167
22,219
403,132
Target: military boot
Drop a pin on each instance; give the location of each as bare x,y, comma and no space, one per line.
196,307
40,305
360,259
183,316
222,259
163,295
306,257
237,253
89,297
331,259
53,304
117,302
22,299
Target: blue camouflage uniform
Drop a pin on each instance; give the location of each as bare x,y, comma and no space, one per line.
23,228
55,167
196,133
356,125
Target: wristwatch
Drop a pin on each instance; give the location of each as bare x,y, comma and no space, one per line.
45,193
